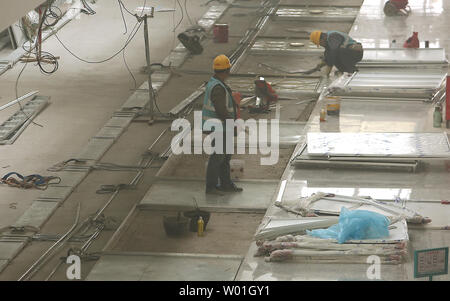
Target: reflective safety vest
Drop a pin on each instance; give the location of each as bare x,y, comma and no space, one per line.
208,111
348,40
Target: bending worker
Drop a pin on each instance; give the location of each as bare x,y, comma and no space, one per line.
340,50
218,106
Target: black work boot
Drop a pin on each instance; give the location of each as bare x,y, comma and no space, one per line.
230,188
214,191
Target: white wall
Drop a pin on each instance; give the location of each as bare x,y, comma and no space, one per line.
13,10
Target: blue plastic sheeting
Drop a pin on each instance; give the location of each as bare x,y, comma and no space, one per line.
356,224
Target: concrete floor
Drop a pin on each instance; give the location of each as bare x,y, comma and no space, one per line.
80,105
145,233
101,96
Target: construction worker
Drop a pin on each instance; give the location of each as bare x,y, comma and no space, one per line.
396,8
340,50
219,104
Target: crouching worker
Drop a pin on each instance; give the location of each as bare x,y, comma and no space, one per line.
218,106
341,50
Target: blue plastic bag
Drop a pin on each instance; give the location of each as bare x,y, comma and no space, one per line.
355,224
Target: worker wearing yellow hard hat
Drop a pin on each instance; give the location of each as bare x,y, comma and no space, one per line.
341,50
221,63
219,106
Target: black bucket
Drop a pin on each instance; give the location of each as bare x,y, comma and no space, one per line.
194,215
175,225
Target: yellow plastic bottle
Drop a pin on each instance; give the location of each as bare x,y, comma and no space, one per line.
200,226
323,113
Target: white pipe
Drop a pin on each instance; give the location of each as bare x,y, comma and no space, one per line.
281,192
18,99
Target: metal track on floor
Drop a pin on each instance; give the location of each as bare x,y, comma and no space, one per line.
11,129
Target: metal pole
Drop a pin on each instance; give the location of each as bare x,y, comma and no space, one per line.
147,56
447,103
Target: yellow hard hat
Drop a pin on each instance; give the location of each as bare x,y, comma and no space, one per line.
221,62
315,37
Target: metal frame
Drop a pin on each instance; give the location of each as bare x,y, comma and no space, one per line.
315,17
261,47
19,129
409,58
303,160
382,83
417,153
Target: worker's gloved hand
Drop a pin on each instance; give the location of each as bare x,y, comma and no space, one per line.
328,70
321,64
315,69
331,90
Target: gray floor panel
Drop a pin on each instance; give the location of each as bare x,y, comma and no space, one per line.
283,86
160,267
109,133
175,59
279,65
119,122
284,46
9,249
137,100
179,195
318,13
70,178
37,214
3,264
56,193
95,149
301,29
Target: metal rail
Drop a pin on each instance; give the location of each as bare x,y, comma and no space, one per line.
44,257
133,182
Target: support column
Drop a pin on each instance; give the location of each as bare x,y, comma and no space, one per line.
447,103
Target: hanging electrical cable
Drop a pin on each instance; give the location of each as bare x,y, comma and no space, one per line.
125,8
123,17
126,65
132,34
52,14
47,57
182,16
87,9
129,39
187,14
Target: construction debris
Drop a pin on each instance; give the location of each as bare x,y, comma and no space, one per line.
332,204
308,249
